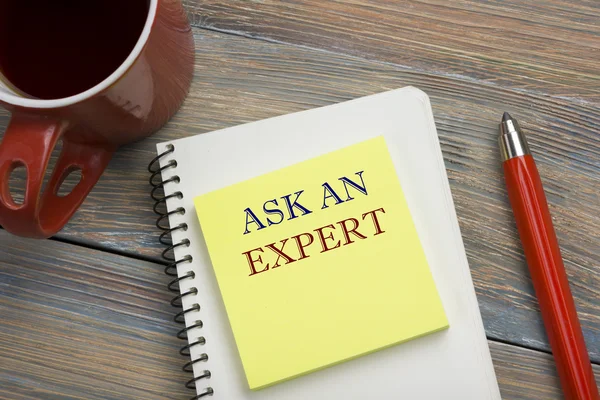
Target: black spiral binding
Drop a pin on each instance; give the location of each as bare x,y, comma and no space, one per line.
162,223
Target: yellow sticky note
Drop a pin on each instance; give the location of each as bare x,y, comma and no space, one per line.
319,263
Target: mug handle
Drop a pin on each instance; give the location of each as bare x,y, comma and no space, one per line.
29,142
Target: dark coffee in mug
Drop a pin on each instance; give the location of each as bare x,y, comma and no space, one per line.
51,49
136,57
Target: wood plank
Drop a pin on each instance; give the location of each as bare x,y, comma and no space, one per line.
527,374
81,324
549,46
240,80
84,324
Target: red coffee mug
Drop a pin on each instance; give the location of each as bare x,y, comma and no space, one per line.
132,101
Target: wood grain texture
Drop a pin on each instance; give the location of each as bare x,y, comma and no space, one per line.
84,324
527,374
544,47
240,80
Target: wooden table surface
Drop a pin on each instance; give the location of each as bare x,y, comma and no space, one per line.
85,315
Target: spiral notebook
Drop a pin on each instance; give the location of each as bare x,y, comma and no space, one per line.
436,350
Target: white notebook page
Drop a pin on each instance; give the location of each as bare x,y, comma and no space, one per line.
452,364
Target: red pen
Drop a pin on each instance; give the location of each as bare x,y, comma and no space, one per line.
546,267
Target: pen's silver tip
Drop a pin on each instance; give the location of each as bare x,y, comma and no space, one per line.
512,141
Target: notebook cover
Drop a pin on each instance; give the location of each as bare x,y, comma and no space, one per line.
454,363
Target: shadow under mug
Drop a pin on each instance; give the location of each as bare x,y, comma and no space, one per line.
137,99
